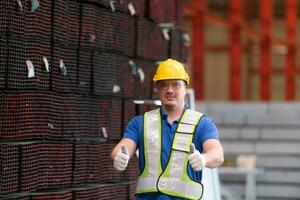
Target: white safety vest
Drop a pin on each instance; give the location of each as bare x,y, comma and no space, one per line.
174,180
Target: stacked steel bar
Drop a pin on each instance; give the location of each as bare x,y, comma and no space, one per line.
66,26
22,116
38,23
109,174
115,114
150,41
179,12
90,193
3,59
84,71
59,168
110,68
128,112
179,45
55,114
3,17
115,33
71,114
63,195
64,69
27,39
89,118
160,14
145,85
30,167
80,164
9,182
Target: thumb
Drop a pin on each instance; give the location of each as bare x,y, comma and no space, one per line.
192,148
124,149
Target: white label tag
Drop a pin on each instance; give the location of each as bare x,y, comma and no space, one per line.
133,67
92,38
116,89
30,68
34,5
131,9
104,132
186,39
20,5
50,125
112,6
166,34
63,68
141,74
46,63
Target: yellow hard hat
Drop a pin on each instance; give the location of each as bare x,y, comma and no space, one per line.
171,69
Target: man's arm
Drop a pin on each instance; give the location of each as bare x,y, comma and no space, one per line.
130,145
213,153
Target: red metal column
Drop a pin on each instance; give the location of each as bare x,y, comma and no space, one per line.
290,68
249,11
235,9
266,13
197,8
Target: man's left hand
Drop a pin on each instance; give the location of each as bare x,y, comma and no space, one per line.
196,159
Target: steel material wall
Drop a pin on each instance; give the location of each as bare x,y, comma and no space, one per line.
90,60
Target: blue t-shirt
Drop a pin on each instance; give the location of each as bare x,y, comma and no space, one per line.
205,130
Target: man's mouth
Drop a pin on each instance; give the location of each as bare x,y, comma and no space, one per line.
170,97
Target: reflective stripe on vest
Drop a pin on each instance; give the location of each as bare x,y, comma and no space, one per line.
174,180
152,140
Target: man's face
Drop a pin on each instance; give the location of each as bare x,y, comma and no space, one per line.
171,93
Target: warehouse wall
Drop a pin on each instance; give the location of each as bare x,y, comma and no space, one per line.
68,73
263,137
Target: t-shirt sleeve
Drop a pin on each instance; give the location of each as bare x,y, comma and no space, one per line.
208,129
133,129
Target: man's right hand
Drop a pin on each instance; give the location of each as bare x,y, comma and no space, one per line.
121,159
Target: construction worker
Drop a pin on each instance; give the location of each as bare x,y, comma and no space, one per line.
174,142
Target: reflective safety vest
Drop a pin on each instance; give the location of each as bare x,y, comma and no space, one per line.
174,180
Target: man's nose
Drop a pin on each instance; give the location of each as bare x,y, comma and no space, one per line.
169,89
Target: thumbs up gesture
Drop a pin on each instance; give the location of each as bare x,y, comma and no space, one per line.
121,159
196,159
